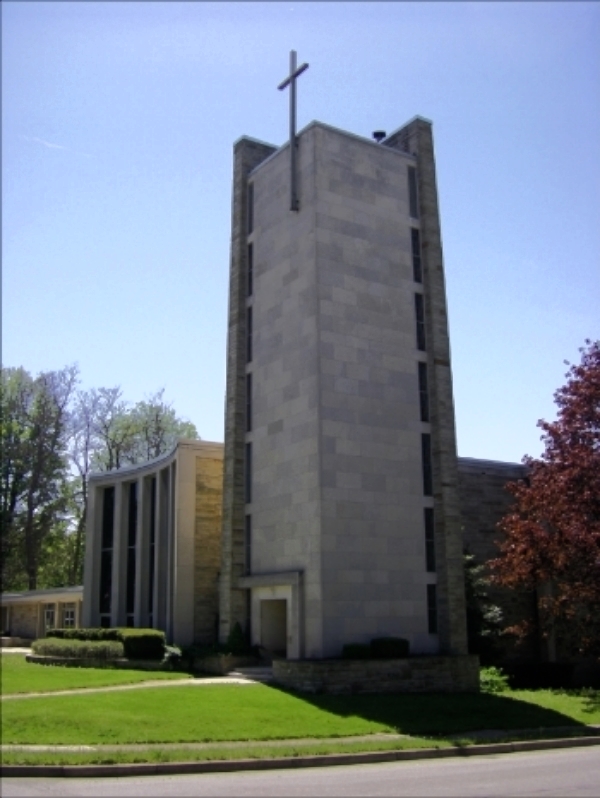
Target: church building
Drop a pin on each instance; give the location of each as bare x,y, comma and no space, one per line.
337,510
341,518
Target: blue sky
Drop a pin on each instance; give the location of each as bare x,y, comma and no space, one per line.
118,121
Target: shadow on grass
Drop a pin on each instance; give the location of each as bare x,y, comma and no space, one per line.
440,714
590,696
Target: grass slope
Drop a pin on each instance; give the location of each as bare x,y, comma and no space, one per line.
20,676
235,712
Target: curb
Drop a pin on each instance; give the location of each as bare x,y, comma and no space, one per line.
278,763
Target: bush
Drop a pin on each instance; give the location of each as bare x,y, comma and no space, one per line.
236,641
137,643
389,648
85,634
143,643
493,680
356,651
78,649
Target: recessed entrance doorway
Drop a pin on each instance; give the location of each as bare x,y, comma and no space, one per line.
273,626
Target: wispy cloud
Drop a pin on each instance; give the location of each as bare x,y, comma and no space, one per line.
51,146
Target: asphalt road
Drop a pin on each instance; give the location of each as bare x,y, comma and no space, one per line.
572,772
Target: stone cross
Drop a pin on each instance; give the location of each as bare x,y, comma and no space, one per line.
291,82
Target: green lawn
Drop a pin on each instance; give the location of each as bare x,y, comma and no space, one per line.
226,713
257,712
20,676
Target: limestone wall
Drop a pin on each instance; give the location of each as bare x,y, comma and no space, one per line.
414,675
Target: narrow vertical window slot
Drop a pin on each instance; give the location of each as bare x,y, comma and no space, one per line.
420,321
248,474
423,392
250,207
429,540
248,402
426,463
248,335
415,242
250,271
413,199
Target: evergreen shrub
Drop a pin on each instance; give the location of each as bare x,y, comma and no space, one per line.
137,643
356,651
78,649
389,648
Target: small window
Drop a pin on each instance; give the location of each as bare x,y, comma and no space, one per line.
248,402
248,474
432,614
413,200
68,619
426,462
420,320
250,271
248,335
250,207
423,392
429,540
415,241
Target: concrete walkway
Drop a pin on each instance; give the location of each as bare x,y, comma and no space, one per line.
199,682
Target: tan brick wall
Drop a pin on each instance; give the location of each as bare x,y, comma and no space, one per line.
207,549
23,620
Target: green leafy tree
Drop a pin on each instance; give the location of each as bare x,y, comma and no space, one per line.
34,467
53,436
126,435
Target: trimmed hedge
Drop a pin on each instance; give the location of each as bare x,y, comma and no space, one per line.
85,634
137,643
389,648
78,649
143,643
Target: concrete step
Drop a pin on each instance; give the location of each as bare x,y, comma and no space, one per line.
254,673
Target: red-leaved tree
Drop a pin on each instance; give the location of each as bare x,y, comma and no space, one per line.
552,534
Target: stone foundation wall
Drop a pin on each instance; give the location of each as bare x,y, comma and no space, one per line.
414,675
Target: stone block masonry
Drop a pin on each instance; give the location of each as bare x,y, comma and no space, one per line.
350,677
